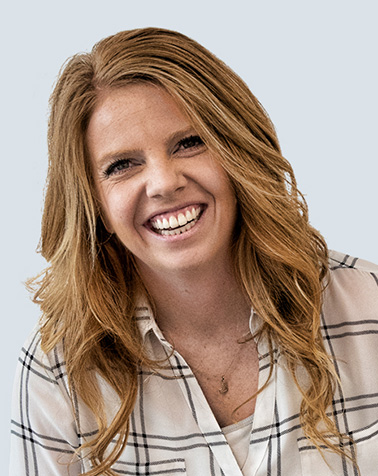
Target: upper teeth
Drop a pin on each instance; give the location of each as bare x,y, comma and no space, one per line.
176,221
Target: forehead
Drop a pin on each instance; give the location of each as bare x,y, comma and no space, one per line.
134,101
131,113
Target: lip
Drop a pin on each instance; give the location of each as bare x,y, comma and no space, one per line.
181,236
167,211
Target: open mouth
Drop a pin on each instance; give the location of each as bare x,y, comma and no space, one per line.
177,222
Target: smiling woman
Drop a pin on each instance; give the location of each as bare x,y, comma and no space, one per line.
151,169
192,319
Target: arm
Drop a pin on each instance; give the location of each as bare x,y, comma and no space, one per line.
44,433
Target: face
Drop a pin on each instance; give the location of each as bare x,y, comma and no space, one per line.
161,191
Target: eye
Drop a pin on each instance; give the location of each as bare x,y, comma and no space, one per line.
117,167
191,142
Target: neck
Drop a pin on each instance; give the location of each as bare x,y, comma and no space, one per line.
198,304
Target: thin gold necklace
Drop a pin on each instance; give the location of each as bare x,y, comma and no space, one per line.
223,389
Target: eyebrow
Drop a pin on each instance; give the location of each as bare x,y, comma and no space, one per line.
127,153
177,136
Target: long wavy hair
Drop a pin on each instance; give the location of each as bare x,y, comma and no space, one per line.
88,292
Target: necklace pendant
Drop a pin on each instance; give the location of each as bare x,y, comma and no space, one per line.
224,387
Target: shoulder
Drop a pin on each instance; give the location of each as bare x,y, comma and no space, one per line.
352,274
342,261
351,293
38,368
44,425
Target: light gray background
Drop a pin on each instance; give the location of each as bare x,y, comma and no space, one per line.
313,65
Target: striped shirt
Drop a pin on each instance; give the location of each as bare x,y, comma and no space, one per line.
173,430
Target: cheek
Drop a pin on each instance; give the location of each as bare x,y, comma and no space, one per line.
225,190
119,208
229,201
220,180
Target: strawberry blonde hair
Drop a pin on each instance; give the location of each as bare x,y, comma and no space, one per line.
88,292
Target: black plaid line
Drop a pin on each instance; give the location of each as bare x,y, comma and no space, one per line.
351,334
60,376
152,463
38,443
342,399
211,463
187,388
25,412
39,374
35,435
143,426
177,448
135,445
355,409
142,318
360,397
367,437
343,263
178,438
151,473
375,277
351,323
278,426
33,358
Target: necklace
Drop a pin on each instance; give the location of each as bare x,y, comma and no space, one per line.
223,389
224,386
223,383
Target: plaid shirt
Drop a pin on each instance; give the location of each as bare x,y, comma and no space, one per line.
173,430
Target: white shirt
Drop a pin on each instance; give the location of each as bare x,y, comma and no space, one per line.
173,430
238,436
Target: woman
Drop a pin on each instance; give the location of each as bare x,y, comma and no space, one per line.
169,214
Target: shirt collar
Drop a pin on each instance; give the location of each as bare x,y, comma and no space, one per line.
146,321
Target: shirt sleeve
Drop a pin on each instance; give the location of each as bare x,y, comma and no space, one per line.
44,435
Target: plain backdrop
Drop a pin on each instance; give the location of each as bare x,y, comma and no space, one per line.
312,64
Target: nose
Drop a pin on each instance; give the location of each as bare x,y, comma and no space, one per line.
165,178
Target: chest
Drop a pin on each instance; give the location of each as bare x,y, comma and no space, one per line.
227,377
173,429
